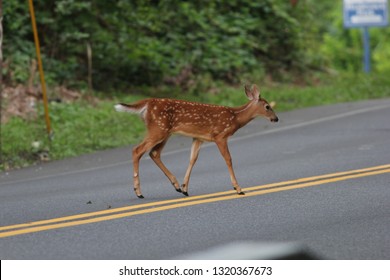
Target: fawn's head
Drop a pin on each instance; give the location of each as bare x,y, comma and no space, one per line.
263,108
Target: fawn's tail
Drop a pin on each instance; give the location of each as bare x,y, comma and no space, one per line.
136,108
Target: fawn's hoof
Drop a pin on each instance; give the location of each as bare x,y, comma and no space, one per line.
178,189
241,193
140,196
182,190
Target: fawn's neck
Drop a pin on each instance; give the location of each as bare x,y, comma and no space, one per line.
245,113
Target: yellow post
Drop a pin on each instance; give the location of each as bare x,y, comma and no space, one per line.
38,51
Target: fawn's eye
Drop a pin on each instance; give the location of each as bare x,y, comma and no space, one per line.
267,107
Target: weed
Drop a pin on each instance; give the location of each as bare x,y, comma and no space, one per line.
81,127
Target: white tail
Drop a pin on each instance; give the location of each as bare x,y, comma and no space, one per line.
202,122
121,108
129,109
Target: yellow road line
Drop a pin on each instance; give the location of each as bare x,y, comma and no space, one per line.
259,190
330,175
198,197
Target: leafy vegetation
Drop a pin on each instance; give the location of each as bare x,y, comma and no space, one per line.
151,42
81,128
195,50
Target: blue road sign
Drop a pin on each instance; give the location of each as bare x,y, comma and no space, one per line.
365,13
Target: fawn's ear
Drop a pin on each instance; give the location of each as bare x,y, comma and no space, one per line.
252,93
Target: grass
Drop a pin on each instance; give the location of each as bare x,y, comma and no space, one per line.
81,128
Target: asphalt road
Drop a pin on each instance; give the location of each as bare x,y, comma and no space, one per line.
84,208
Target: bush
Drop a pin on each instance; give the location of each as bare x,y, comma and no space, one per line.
152,42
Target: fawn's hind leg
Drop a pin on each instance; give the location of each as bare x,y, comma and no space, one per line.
148,143
155,154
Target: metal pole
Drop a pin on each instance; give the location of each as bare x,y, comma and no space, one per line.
41,74
367,56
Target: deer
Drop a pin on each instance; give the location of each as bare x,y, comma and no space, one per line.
202,122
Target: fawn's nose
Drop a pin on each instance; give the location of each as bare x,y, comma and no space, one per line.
276,119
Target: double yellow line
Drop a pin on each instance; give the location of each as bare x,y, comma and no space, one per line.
139,209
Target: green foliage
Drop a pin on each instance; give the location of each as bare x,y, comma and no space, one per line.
342,49
17,137
200,49
183,43
381,49
346,87
150,42
82,128
79,128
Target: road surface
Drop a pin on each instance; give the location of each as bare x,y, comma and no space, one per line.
319,178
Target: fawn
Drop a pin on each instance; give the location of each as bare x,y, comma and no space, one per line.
202,122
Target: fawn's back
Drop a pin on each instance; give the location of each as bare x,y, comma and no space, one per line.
197,120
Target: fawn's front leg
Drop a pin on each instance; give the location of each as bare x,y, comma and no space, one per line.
196,143
223,148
